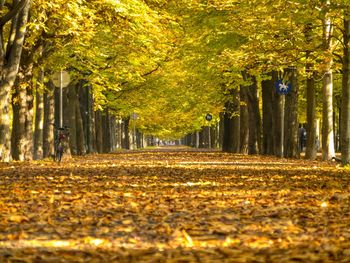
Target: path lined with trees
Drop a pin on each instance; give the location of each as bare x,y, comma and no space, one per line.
240,77
147,70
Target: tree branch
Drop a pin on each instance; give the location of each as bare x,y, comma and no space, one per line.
14,11
2,3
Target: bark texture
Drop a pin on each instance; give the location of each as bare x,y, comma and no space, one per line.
231,141
39,118
328,150
345,112
254,139
291,118
10,57
49,118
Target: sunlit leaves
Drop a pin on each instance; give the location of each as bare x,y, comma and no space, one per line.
175,58
275,32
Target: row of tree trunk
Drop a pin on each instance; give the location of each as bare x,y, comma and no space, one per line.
276,133
271,131
244,128
34,106
209,137
90,131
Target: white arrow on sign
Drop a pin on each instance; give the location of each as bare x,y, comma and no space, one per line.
283,87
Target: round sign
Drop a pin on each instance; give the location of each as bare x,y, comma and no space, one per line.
134,116
283,87
61,77
208,117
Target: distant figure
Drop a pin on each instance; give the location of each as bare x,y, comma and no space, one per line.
302,137
317,143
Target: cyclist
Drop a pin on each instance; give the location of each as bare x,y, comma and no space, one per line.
61,135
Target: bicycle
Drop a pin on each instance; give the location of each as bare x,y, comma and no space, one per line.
61,135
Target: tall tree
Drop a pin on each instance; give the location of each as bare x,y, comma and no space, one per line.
328,150
254,139
231,139
273,112
311,147
49,118
244,120
39,117
345,112
291,149
10,56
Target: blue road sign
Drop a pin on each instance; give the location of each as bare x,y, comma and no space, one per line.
283,87
208,117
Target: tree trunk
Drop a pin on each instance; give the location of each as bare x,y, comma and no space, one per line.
254,139
10,56
119,133
311,140
22,133
49,118
92,124
269,115
336,128
201,136
132,137
106,134
86,112
278,109
204,137
291,149
345,109
327,111
221,129
145,141
311,145
39,118
213,136
192,140
231,141
244,120
113,132
327,114
99,132
72,118
122,130
126,133
18,123
197,139
28,125
81,150
5,134
139,138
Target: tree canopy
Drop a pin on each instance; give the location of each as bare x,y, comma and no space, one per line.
177,59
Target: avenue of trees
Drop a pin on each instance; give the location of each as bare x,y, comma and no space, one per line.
145,69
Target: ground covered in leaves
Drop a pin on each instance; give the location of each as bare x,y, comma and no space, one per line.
174,206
